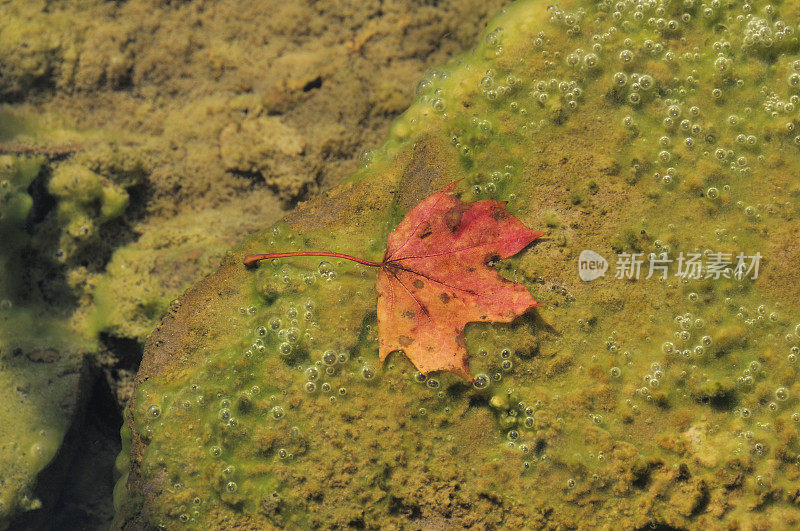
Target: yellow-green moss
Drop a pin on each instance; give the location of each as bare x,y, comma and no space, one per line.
649,402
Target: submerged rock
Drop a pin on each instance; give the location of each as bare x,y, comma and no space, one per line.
664,133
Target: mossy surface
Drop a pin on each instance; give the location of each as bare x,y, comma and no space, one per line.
144,138
623,127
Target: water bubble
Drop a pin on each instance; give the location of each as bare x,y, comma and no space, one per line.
329,357
277,412
154,411
781,393
481,381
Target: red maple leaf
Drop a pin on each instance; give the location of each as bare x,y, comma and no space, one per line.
437,275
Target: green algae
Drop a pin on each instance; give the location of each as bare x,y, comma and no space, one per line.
40,354
664,127
43,346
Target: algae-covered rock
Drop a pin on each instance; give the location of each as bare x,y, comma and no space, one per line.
629,401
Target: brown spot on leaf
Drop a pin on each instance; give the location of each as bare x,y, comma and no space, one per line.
444,297
491,259
452,218
418,284
408,314
499,213
405,340
426,231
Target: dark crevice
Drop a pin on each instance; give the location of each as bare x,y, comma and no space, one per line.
540,447
702,503
126,351
43,201
357,523
313,84
398,506
76,487
139,196
478,401
111,236
86,504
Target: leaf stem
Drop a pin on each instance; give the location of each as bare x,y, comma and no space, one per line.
252,259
